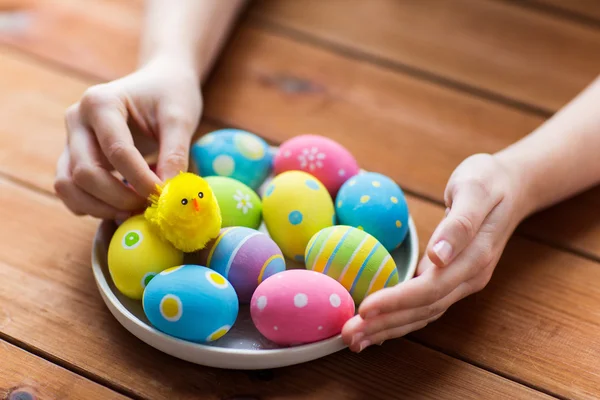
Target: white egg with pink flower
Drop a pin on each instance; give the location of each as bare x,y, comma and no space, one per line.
299,306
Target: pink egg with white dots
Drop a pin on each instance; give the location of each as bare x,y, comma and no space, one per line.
324,158
299,306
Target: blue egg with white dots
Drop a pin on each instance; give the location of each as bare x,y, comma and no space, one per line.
234,153
376,204
191,302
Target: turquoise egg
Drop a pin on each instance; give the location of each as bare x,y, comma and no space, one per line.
234,153
376,204
191,302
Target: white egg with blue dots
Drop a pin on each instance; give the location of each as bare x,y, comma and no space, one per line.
233,153
191,302
376,204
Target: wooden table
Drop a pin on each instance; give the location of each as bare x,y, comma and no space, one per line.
411,92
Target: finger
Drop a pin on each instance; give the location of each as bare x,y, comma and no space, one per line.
108,120
395,319
76,200
432,285
417,292
175,138
352,330
471,204
90,176
424,264
387,335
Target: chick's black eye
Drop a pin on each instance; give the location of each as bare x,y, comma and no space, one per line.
200,194
184,201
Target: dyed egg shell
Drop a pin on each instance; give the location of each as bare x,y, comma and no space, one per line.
375,203
320,156
352,257
191,302
244,256
136,254
239,204
234,153
295,207
300,306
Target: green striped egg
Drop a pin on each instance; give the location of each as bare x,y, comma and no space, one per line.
354,258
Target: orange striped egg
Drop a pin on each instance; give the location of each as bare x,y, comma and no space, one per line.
354,258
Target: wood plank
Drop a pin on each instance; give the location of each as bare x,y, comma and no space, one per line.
496,46
99,36
49,293
574,224
586,8
32,129
25,374
537,320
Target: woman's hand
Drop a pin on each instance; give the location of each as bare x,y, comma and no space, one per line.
483,200
114,124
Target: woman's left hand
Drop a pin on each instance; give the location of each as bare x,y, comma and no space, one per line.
482,197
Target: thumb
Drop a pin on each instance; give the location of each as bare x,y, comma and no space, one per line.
471,204
175,140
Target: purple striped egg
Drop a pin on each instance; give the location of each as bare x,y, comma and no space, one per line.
244,256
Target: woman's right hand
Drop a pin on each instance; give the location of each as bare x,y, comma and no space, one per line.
157,107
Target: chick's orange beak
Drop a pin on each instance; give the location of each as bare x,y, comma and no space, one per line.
196,204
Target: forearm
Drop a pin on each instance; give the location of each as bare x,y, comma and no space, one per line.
188,31
562,157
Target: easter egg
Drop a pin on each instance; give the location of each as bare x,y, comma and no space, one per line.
375,203
239,204
136,253
191,302
355,259
299,306
295,207
233,153
244,256
326,159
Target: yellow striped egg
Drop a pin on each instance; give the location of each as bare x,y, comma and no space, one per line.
296,205
354,258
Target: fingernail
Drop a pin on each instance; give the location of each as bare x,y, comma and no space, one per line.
372,314
356,338
363,345
443,249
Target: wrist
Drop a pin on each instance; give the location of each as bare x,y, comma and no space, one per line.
173,64
171,56
519,177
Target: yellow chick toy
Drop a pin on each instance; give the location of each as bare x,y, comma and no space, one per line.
185,211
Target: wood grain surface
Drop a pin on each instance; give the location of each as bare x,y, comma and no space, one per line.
422,130
489,45
93,35
411,95
58,298
24,376
589,9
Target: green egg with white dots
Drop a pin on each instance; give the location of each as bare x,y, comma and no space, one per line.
296,205
136,253
239,204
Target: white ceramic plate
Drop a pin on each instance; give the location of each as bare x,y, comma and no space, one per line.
243,347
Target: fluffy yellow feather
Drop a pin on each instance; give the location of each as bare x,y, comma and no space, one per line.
185,211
